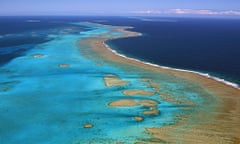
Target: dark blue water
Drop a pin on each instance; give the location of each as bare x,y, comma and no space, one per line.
20,34
206,45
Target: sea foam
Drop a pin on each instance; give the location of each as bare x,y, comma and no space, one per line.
170,68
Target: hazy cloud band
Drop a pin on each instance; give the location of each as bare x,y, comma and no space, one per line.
189,11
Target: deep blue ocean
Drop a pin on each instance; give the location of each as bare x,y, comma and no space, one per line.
200,44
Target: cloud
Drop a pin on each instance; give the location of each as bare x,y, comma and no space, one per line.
148,12
188,11
202,12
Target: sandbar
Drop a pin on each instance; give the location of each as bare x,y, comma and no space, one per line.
37,55
136,92
123,103
111,80
138,118
87,125
151,112
149,103
63,65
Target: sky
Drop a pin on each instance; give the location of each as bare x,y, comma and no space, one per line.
120,7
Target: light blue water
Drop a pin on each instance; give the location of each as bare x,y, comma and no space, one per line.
44,103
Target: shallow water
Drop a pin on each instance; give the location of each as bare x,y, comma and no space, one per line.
50,92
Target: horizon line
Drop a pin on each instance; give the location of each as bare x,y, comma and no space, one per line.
131,16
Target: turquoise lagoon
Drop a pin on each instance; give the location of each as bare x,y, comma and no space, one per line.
53,90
